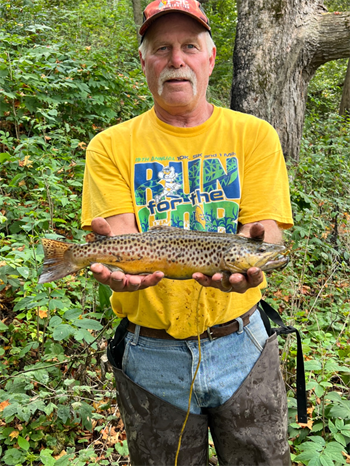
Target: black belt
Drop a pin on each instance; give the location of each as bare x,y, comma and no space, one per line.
212,332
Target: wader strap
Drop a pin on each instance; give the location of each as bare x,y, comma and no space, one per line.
116,345
282,329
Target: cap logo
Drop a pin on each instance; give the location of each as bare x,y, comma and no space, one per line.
173,4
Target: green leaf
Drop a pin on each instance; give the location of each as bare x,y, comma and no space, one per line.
104,293
24,271
72,314
24,303
23,443
340,439
315,461
46,457
13,457
333,396
62,331
318,440
334,450
16,179
63,412
317,427
319,391
4,156
3,327
88,324
49,408
325,461
306,455
312,365
122,448
341,410
84,334
41,375
54,321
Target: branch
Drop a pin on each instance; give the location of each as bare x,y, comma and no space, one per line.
333,39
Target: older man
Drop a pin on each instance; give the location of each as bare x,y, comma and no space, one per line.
189,164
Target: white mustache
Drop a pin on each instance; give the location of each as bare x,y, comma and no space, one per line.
181,73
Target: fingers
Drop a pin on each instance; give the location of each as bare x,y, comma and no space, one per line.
253,230
237,283
120,282
257,231
101,227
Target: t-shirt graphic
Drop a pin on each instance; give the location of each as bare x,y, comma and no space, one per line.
199,192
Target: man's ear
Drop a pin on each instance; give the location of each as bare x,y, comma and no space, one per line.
142,62
212,61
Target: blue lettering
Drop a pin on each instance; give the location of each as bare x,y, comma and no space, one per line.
163,206
216,196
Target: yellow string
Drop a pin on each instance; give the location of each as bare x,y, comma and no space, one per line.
194,378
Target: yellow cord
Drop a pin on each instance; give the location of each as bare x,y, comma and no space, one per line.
192,383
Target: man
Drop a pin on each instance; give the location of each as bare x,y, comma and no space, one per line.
189,164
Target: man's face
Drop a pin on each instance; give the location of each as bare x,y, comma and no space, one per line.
177,64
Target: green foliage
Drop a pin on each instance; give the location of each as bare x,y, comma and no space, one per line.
313,293
223,20
325,90
68,70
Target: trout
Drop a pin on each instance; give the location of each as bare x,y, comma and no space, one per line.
176,252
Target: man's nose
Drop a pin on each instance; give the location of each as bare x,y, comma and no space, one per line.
176,58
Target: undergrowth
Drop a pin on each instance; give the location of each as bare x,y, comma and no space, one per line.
66,72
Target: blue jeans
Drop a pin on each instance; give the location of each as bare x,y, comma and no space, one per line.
166,367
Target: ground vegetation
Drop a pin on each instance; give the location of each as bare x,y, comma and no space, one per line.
67,71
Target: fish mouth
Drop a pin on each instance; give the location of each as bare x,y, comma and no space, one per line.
277,264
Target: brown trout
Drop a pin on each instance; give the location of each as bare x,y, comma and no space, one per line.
176,252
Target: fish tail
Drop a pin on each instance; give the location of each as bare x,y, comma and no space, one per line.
56,262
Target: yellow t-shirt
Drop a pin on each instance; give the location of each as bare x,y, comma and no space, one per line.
229,169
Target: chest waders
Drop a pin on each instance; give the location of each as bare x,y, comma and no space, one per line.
249,429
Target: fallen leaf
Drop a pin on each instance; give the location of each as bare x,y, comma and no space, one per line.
63,453
4,404
42,313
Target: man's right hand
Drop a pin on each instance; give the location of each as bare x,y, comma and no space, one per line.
118,281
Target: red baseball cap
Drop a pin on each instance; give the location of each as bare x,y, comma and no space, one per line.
161,7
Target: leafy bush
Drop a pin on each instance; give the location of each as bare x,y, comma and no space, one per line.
68,70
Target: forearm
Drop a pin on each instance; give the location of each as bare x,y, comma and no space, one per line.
123,223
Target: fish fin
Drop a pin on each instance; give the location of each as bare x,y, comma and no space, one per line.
92,237
165,228
56,265
226,279
113,268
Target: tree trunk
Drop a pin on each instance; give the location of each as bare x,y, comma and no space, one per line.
345,98
279,45
138,17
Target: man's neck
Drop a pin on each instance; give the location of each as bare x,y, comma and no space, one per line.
183,118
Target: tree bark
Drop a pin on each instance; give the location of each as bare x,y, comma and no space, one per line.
345,99
279,46
138,17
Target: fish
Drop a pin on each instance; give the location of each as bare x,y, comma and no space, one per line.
176,252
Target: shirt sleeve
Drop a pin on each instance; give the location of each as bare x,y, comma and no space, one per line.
265,187
106,192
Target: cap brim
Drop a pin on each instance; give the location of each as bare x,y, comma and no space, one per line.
145,26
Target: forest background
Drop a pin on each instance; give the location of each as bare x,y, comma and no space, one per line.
69,69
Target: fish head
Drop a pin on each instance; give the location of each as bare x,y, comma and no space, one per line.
245,253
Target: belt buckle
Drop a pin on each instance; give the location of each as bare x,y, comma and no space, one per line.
210,334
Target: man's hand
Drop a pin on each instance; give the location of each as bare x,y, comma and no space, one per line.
118,281
238,282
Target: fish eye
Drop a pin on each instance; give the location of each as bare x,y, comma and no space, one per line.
262,249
